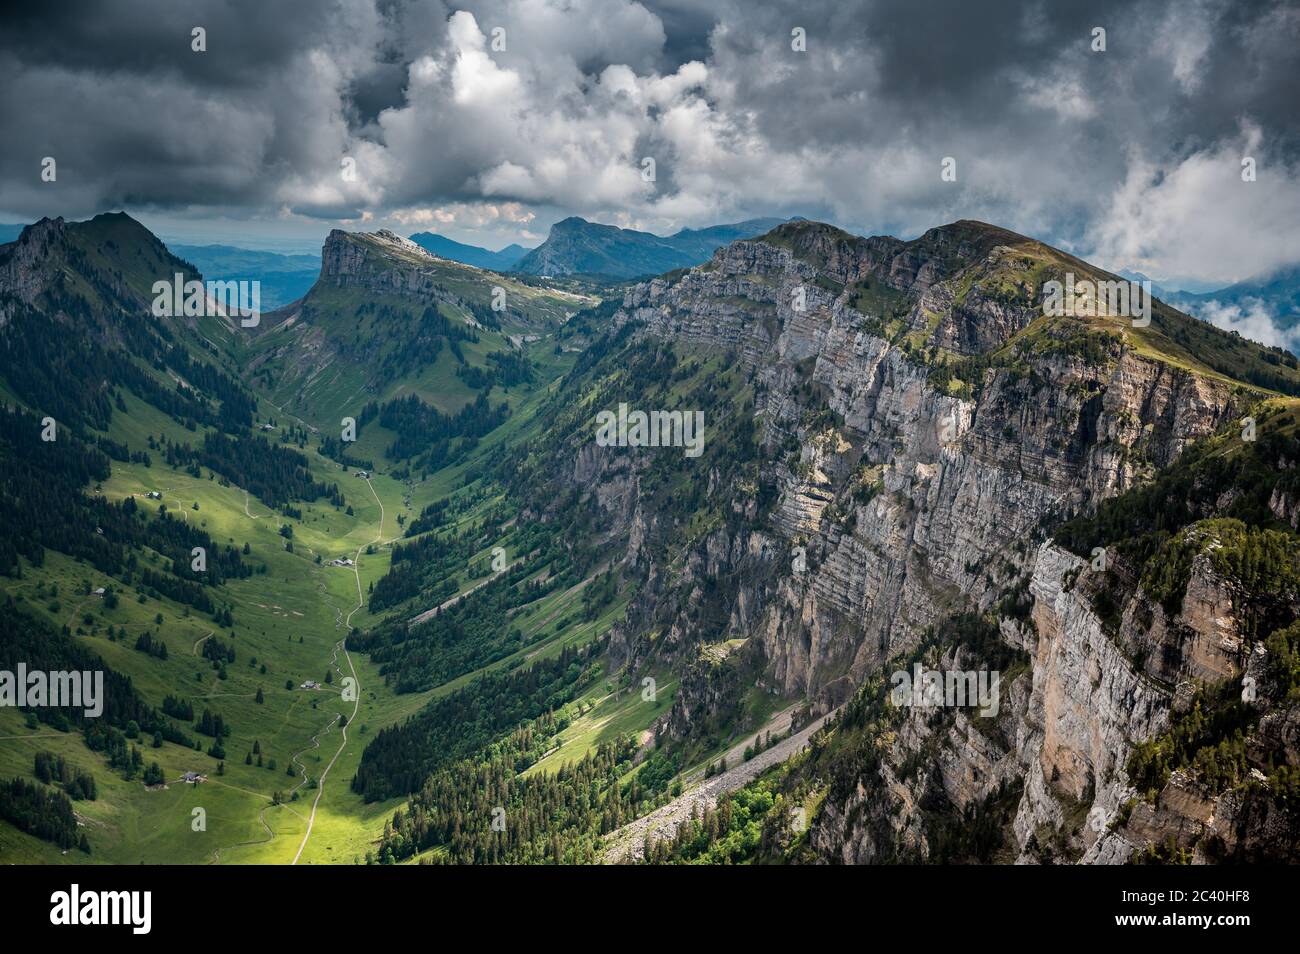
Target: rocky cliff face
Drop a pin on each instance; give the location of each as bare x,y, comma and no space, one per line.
98,269
913,494
962,425
22,263
383,262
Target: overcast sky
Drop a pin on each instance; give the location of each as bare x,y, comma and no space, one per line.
1131,156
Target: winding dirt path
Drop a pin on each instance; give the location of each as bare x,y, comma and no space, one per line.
356,703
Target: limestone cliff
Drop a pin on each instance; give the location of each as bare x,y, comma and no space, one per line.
924,427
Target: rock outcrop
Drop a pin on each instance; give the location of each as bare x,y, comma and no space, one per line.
962,425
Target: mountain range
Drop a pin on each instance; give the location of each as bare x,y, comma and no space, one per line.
1276,292
372,555
502,260
576,246
284,278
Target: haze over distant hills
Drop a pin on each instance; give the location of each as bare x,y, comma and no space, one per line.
443,247
1278,293
576,246
284,278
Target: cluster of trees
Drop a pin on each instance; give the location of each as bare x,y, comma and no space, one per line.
146,643
465,636
60,373
212,725
431,564
178,708
217,651
506,368
275,474
30,639
1191,488
73,377
731,833
42,504
762,742
1264,563
428,565
421,346
483,812
122,452
48,815
122,754
336,449
458,725
1210,735
975,834
483,314
179,587
237,405
432,517
405,580
480,379
437,439
51,768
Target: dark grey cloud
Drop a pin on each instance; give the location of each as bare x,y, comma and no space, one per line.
1131,154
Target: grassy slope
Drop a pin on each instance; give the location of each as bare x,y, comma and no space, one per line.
287,351
295,598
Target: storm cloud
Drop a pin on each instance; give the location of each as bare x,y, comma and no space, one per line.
499,117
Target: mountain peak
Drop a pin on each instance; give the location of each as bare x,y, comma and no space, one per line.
443,247
120,253
42,229
576,246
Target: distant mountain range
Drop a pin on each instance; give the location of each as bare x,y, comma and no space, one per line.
284,278
501,261
1278,292
573,247
576,246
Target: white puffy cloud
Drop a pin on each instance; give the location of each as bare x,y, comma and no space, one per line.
1197,217
470,216
1250,318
